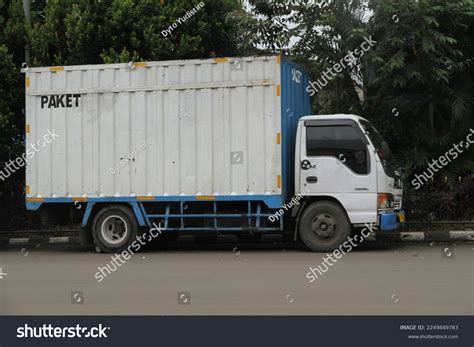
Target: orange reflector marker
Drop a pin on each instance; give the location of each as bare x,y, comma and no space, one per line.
27,189
278,90
79,198
56,68
279,181
205,197
278,138
27,82
145,198
221,60
27,129
34,199
140,64
278,59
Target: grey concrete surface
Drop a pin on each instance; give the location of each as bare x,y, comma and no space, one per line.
374,279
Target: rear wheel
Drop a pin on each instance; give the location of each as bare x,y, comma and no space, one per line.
324,226
114,228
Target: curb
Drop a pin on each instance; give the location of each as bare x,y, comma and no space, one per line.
38,240
26,240
415,236
462,235
428,236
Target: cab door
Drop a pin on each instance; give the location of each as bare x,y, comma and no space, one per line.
336,160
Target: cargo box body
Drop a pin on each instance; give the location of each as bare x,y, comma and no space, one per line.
214,129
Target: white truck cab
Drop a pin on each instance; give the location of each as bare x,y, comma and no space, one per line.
347,174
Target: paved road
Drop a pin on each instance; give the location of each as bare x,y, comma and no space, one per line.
413,279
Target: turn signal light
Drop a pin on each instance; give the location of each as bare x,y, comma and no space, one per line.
385,201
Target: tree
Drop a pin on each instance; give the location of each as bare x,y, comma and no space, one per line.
317,34
422,69
10,141
90,32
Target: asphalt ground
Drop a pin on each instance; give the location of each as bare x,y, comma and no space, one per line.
376,278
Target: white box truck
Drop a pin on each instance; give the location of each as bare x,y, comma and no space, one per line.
215,145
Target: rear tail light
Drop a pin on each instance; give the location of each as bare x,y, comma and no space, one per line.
385,201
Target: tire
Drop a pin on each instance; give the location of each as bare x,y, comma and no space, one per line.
114,228
324,226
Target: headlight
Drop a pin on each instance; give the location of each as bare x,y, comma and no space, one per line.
384,201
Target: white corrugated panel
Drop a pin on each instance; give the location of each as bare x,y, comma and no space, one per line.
168,128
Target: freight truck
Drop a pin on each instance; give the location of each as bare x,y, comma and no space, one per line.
224,145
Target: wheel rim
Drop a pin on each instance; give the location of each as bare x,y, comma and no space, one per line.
114,229
324,226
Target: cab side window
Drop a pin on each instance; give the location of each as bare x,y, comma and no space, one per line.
340,141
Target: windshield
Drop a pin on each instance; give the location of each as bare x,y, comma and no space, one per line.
383,150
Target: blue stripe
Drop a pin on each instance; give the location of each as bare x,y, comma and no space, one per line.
272,201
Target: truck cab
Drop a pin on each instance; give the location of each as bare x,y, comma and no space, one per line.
349,179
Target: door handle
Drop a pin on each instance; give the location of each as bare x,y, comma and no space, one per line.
311,179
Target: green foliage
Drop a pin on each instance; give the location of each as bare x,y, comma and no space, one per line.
13,32
317,35
421,67
89,32
8,81
12,42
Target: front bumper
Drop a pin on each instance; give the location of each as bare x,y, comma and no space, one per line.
391,220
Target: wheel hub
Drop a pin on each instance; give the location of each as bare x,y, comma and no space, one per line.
114,229
324,226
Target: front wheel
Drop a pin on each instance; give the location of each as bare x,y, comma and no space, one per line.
324,226
114,228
